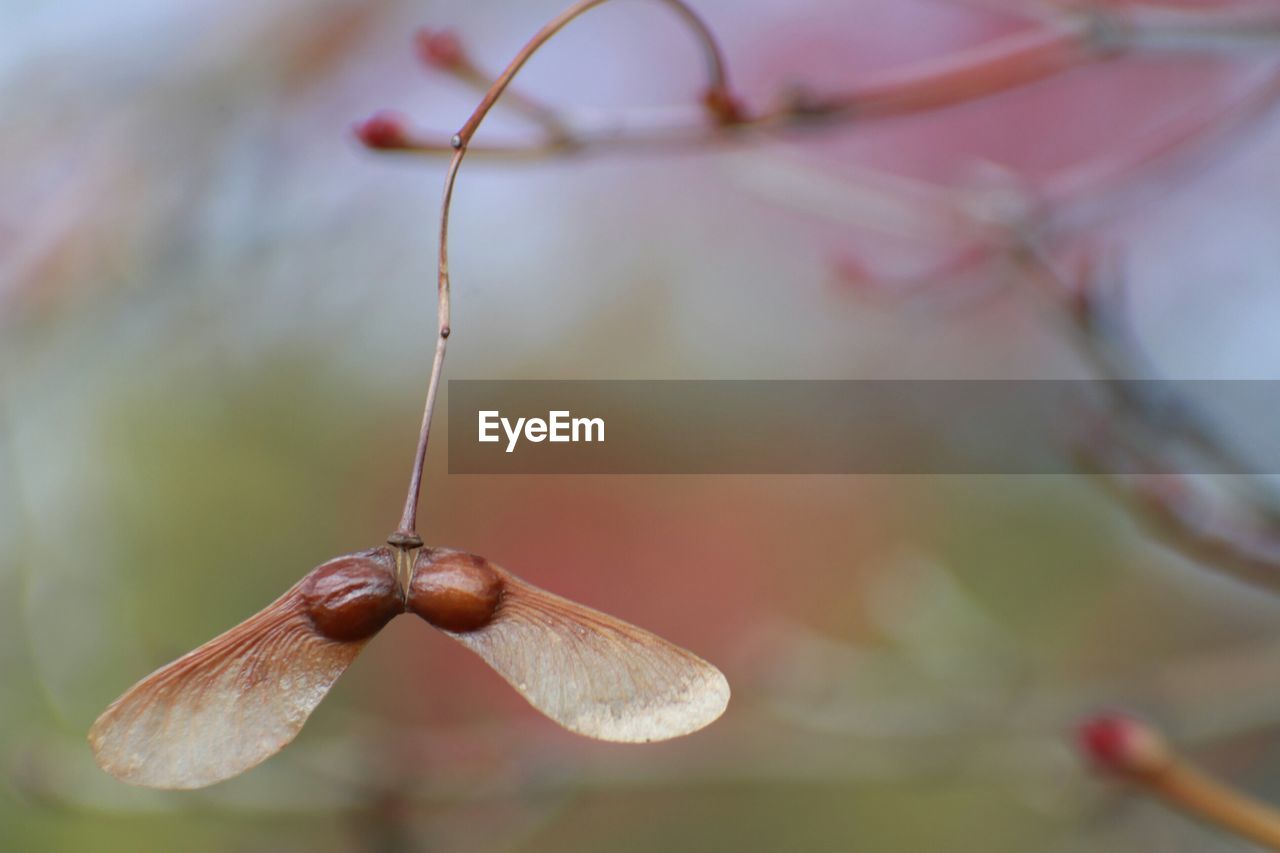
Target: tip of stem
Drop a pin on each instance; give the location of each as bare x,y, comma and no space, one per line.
383,130
440,49
1121,743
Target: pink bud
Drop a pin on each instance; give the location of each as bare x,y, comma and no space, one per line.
1122,744
439,48
383,130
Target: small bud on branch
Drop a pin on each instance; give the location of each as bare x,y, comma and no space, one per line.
1135,752
1122,744
384,131
1059,43
439,49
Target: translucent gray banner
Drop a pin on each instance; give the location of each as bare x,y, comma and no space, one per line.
861,427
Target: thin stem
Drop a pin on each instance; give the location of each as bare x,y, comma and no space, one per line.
406,534
1200,796
1136,752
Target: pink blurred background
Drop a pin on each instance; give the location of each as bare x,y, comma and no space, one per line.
216,314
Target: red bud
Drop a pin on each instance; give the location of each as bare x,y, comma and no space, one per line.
439,48
383,130
1122,744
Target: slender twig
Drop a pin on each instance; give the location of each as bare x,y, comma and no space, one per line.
975,73
442,50
1136,752
980,72
716,94
1040,53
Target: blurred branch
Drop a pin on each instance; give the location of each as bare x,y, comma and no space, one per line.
1070,40
980,72
1011,225
1135,453
1235,542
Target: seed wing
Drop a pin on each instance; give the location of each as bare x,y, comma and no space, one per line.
593,674
225,707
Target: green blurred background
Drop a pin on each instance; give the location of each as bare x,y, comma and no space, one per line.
215,321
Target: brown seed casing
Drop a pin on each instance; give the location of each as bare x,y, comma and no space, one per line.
352,597
453,590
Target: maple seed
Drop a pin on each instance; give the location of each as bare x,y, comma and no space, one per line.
453,590
238,699
351,598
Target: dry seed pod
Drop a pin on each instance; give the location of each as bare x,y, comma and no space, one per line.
238,699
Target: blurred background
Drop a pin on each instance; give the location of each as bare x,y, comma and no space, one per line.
216,317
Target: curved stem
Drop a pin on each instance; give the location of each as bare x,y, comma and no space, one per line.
406,534
717,79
